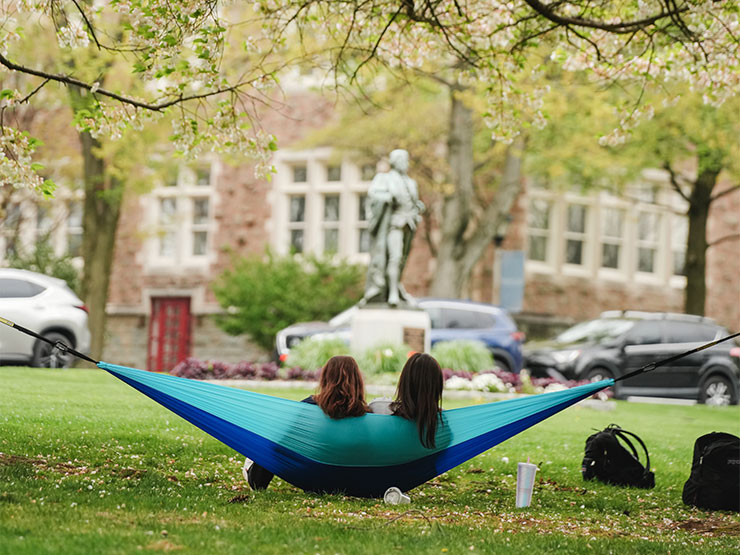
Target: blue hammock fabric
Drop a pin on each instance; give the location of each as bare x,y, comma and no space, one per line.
360,456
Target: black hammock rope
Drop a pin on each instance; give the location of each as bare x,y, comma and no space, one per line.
646,368
653,365
63,347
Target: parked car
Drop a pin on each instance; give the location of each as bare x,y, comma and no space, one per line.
450,320
47,306
621,341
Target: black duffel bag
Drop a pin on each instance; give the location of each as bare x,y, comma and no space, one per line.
714,482
607,460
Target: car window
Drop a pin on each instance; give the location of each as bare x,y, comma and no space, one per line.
435,315
460,319
645,333
687,332
18,288
595,330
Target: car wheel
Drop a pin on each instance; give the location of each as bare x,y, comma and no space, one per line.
48,356
598,374
717,391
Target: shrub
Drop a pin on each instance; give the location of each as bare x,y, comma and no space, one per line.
313,352
383,359
44,261
472,356
263,294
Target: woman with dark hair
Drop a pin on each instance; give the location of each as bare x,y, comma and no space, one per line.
341,394
418,396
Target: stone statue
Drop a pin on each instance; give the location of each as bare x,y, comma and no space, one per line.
393,212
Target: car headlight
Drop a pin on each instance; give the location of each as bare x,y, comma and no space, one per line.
564,357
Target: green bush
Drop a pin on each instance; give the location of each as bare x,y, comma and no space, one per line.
472,356
43,260
383,359
263,294
312,353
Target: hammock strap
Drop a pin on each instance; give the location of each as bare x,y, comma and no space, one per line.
56,344
653,365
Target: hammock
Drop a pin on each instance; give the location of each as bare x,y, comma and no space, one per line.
360,456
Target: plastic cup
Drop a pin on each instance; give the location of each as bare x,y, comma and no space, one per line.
395,496
525,483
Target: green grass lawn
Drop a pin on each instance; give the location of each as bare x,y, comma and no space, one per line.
88,465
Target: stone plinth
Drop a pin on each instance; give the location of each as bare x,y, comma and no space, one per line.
374,325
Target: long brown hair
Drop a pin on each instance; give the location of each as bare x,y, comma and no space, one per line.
419,395
341,388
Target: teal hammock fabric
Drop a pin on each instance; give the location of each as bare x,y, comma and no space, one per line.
361,456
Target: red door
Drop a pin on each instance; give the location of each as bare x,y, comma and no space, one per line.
169,333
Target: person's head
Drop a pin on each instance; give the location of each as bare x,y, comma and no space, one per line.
399,160
419,395
341,388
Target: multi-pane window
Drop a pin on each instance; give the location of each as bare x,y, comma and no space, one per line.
320,204
297,222
363,238
331,223
538,224
167,224
203,176
647,241
334,173
200,226
612,222
300,174
74,228
679,237
575,234
183,217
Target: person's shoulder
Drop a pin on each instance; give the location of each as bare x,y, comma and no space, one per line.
310,400
381,405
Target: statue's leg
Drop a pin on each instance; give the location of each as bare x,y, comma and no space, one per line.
395,255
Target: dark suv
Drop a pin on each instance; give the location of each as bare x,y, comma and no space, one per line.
621,341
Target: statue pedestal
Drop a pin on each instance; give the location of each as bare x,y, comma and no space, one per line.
372,325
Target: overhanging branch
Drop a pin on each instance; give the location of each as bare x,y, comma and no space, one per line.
622,27
68,80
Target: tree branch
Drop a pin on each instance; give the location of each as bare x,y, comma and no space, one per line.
624,27
727,191
729,237
67,80
674,180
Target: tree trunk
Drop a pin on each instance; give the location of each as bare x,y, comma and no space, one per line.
460,248
450,280
696,245
102,208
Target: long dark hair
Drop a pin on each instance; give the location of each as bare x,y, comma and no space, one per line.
341,388
419,395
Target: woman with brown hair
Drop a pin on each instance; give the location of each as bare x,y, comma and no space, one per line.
341,394
418,396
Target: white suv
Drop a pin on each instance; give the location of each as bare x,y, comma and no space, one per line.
47,306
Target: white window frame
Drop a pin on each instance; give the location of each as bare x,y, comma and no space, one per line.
185,192
315,189
663,203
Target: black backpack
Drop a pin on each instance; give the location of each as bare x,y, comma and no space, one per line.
714,482
608,461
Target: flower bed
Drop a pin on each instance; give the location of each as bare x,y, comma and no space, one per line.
498,381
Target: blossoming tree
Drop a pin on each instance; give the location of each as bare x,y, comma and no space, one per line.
205,65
